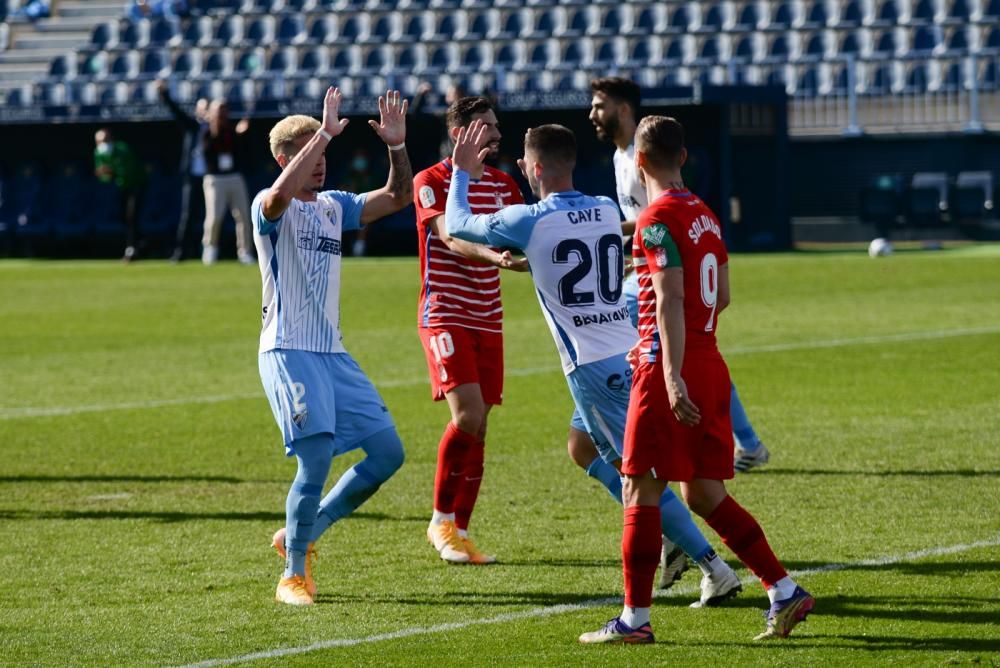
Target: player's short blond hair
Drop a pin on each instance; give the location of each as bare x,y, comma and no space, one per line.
288,129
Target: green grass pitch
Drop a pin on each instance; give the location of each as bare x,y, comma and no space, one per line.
141,477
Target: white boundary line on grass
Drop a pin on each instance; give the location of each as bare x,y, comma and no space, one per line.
574,607
54,411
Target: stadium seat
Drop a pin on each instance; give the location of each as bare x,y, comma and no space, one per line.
314,61
577,22
992,42
443,30
161,32
925,40
478,26
642,53
884,45
958,42
748,18
674,53
713,18
917,80
154,62
386,29
680,19
125,65
219,63
991,10
922,13
187,64
104,36
815,48
291,29
709,52
473,58
198,31
605,55
782,17
508,55
229,31
128,34
260,31
512,26
952,79
646,21
63,67
442,59
282,62
323,30
808,82
988,79
958,12
886,14
744,50
851,15
816,16
346,61
415,28
611,22
375,60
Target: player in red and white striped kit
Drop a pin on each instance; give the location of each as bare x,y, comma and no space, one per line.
460,319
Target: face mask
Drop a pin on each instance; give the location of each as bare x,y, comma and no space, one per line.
104,147
359,164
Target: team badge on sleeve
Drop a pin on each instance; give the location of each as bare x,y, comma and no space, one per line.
661,258
654,235
427,198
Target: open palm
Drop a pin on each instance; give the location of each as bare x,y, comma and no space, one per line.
391,127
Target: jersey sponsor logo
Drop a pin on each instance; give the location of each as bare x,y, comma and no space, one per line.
616,382
494,221
654,235
427,198
627,200
703,224
602,318
328,245
307,238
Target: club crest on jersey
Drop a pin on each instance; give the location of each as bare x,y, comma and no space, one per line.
654,235
661,258
299,419
307,239
427,198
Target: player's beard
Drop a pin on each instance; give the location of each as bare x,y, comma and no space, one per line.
607,130
494,147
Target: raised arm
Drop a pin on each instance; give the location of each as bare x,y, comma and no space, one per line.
398,189
182,117
297,172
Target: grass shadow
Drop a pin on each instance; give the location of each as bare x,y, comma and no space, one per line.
940,473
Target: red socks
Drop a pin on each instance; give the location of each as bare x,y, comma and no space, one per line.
641,543
453,452
741,534
468,487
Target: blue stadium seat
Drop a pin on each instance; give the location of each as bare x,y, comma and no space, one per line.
153,63
953,79
958,12
407,59
260,31
925,40
440,59
850,46
375,61
291,29
744,50
506,56
816,16
645,21
713,19
512,26
573,56
216,65
611,22
884,45
384,30
991,11
250,63
103,36
197,31
161,31
472,59
641,54
123,66
782,18
815,47
478,26
923,12
344,61
709,52
887,14
16,97
880,80
604,54
992,41
839,79
228,31
808,82
850,15
313,61
680,20
748,18
577,22
958,42
187,63
281,62
917,79
62,67
444,29
415,28
778,51
538,57
988,78
322,30
565,83
674,53
128,34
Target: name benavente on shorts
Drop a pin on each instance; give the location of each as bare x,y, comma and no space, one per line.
602,318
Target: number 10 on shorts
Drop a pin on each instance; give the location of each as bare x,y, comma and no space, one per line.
442,346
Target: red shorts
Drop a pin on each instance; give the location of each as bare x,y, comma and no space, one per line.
654,439
458,355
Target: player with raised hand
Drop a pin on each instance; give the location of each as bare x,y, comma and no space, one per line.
678,417
573,244
460,320
323,403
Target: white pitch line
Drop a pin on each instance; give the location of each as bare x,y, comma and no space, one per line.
574,607
54,411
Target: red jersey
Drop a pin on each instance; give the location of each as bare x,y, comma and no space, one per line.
678,230
455,290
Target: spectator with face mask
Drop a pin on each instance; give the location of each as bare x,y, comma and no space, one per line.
114,162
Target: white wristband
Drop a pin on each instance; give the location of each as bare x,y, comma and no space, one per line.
398,147
325,135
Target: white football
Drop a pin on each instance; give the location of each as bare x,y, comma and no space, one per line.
880,247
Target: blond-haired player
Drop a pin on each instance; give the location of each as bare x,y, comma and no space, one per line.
321,400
